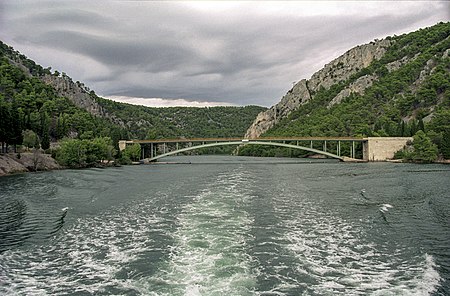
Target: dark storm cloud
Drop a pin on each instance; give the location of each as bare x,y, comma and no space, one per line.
240,55
155,56
60,16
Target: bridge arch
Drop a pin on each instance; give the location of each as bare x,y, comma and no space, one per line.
245,142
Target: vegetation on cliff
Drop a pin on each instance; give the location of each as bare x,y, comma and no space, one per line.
188,122
28,104
421,149
410,92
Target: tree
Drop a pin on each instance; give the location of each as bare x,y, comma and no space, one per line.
123,159
445,145
45,143
5,118
440,124
15,127
61,126
423,149
401,129
100,149
76,153
152,134
133,151
421,125
30,139
45,124
72,153
37,159
88,135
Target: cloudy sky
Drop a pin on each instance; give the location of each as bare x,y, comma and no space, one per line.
201,53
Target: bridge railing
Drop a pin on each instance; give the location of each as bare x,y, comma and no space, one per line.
187,140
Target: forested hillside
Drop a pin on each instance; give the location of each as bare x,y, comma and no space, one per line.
187,122
28,104
406,90
47,107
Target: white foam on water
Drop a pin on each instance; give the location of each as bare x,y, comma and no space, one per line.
86,258
385,207
334,253
424,281
209,256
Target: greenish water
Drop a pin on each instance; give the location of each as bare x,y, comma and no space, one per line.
228,226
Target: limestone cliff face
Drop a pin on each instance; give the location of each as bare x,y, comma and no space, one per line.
79,95
359,86
337,70
295,97
348,64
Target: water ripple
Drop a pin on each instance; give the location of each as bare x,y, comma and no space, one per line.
209,255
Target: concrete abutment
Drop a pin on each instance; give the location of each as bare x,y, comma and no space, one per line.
383,148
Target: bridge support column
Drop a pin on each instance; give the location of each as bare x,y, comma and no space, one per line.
339,148
151,150
122,145
325,146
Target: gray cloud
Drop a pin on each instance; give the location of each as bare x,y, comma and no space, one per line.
242,55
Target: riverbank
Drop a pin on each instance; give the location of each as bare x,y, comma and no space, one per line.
31,162
13,163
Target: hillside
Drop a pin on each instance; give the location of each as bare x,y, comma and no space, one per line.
27,103
390,87
54,107
187,122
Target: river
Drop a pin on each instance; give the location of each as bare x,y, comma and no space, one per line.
219,225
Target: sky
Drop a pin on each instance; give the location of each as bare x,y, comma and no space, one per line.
201,53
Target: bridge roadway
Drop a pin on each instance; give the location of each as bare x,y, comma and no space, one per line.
263,139
286,142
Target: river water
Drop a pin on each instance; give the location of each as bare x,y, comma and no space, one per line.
228,226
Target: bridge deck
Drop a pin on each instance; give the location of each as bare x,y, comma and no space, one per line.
265,139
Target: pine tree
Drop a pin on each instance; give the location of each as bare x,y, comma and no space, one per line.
445,144
420,125
45,125
424,149
4,123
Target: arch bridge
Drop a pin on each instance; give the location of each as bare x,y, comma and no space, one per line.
160,148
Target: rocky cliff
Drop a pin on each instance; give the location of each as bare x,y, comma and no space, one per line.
393,87
79,95
334,72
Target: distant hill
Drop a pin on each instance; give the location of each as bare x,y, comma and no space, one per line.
187,122
54,107
390,87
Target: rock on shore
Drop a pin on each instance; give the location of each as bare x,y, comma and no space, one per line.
28,162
